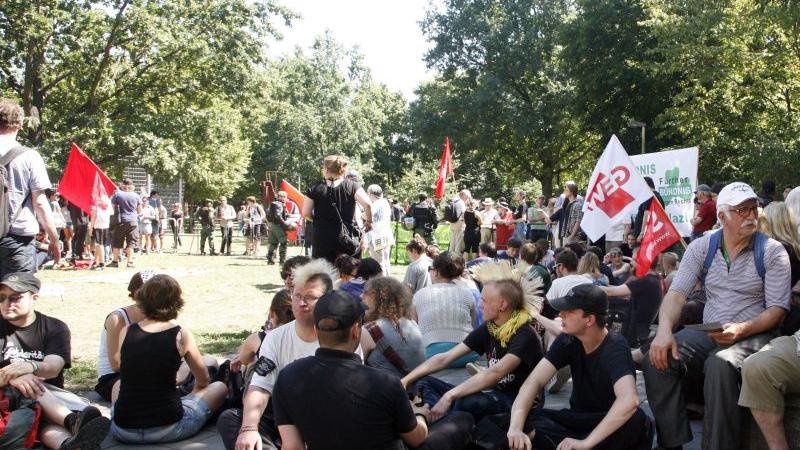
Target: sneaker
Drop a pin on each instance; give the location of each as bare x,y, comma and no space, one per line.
129,264
89,433
113,264
562,376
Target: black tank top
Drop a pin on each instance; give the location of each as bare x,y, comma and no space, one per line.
147,395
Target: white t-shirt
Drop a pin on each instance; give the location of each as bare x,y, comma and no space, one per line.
617,231
102,217
562,285
281,347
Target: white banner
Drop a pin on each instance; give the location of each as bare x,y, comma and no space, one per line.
615,187
675,175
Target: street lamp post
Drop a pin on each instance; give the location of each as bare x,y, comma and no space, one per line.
636,124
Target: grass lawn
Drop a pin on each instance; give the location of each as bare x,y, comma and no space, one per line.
226,298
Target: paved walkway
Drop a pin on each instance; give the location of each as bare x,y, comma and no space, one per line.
209,439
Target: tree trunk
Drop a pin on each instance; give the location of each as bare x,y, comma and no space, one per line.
547,183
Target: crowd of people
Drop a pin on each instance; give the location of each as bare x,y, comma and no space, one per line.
350,356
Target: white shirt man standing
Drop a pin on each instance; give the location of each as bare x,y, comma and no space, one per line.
27,181
226,216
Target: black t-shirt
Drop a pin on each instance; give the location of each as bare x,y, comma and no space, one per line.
522,208
646,295
343,196
525,345
605,270
336,402
45,336
593,375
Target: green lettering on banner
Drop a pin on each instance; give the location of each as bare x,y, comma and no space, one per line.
674,188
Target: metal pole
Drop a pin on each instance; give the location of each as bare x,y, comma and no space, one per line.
643,128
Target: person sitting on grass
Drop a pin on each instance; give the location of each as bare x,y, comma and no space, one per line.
510,301
280,313
444,310
34,353
287,270
604,408
148,407
367,269
115,323
417,273
391,341
346,267
486,253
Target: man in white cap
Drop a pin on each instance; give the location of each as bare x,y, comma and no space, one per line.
747,282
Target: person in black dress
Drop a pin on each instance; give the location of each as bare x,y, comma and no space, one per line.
331,202
472,230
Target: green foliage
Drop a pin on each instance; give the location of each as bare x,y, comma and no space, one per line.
147,81
324,103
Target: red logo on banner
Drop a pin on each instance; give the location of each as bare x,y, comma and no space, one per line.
607,193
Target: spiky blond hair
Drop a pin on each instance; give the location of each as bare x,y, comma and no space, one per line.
529,282
317,268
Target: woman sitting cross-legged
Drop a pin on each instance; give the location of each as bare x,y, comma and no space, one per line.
149,408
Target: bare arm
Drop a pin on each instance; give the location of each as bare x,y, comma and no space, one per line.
623,408
363,199
541,374
308,208
623,269
367,343
617,291
435,363
664,344
484,379
417,436
291,438
191,354
44,213
114,326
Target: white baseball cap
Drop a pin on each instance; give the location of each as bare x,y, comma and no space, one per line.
735,194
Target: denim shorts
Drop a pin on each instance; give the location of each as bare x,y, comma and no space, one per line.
195,415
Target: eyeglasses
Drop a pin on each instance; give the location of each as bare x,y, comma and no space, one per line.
306,299
11,298
745,211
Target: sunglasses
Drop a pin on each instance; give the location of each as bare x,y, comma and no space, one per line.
745,211
14,298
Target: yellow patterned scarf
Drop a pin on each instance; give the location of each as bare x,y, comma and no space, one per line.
507,331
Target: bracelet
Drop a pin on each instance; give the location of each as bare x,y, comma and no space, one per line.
248,428
34,366
423,418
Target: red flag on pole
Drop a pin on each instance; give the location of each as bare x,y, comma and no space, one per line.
293,194
83,183
445,169
660,233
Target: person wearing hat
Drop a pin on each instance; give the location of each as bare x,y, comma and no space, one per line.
363,407
242,429
488,216
706,214
426,219
205,214
746,277
35,352
604,408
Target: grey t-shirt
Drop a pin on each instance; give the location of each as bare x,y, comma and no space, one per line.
27,173
127,202
417,276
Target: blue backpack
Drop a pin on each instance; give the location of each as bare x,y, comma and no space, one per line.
713,245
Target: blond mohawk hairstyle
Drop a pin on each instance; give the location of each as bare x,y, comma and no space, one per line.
317,266
529,282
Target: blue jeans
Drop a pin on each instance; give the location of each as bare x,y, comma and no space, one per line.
479,405
195,414
17,254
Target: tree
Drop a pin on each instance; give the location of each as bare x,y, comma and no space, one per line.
123,77
506,56
737,66
322,103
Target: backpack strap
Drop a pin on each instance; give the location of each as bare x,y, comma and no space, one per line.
12,155
386,350
759,250
713,246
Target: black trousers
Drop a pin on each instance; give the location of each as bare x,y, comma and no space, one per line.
79,240
553,426
227,237
230,421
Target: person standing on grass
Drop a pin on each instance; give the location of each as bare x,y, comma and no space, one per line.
206,216
128,205
100,221
146,218
226,216
148,408
35,352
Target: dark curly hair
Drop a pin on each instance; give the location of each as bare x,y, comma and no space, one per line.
282,307
368,268
448,265
392,299
160,298
291,263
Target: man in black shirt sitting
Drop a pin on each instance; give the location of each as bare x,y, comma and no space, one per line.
604,407
35,347
332,401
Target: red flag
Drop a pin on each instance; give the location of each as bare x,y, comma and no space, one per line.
293,194
445,169
660,233
83,182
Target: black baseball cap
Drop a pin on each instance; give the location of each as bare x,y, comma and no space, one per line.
340,306
588,297
22,282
